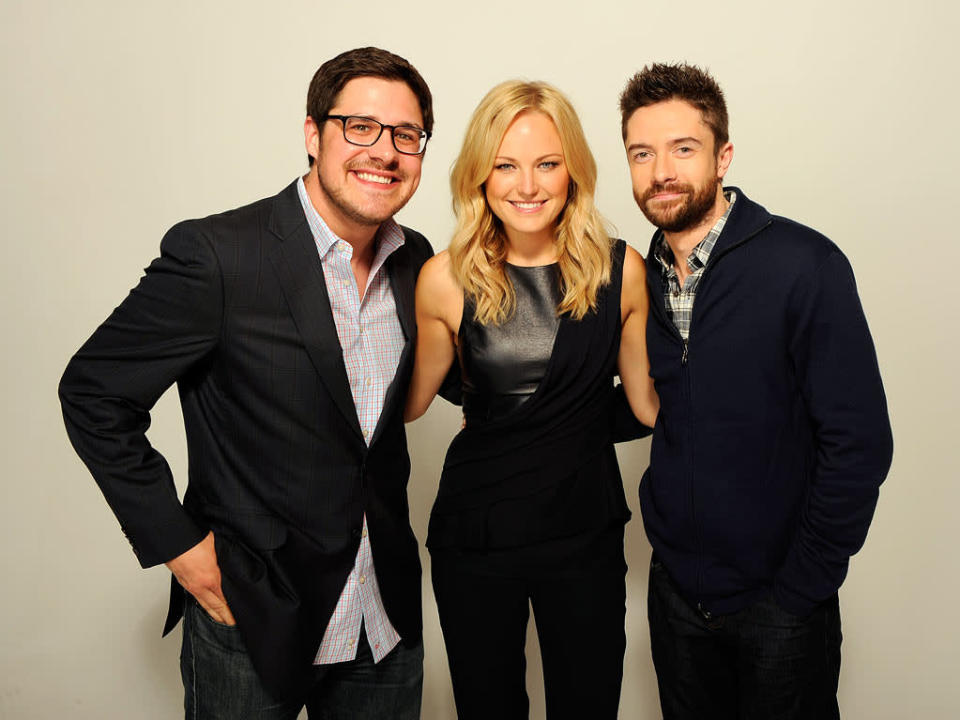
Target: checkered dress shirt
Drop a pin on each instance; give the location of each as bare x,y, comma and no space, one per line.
677,300
371,339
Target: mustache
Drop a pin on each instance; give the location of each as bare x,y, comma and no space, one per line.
657,188
370,164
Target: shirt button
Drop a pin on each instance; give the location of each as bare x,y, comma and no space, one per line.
349,643
368,382
363,579
377,646
363,533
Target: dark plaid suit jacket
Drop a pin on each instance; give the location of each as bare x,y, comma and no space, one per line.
235,311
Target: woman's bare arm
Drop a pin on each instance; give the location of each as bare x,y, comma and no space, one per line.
634,365
439,308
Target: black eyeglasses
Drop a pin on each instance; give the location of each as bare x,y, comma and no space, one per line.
364,131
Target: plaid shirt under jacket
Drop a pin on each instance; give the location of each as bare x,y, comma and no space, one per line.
677,300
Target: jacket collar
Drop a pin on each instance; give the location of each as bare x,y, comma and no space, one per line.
746,219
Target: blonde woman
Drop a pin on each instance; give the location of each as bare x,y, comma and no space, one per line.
541,309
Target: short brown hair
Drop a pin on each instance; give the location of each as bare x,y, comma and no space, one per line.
662,81
334,74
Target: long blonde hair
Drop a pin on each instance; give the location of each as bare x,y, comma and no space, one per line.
478,249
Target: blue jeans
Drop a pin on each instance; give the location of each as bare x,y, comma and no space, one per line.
762,663
220,683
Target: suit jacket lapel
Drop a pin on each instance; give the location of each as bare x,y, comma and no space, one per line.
403,279
301,278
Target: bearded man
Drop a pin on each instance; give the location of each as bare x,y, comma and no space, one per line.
773,436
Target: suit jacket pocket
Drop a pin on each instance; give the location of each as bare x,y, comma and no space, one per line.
259,530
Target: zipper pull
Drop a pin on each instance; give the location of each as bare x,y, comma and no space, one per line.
683,359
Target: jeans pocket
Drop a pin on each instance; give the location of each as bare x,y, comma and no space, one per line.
208,631
767,611
214,621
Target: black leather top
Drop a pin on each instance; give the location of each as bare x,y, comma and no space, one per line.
502,365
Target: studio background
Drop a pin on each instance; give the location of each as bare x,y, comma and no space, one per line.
119,119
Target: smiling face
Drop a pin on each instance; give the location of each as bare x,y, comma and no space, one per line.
675,169
355,188
527,188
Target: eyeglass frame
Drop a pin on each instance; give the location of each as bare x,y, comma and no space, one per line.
425,134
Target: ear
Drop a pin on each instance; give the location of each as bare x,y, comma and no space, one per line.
724,158
311,137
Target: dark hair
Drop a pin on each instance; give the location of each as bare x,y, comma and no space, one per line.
334,74
661,81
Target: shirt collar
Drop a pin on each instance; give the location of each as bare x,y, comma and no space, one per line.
388,239
701,252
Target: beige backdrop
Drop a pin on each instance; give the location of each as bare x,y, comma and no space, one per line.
120,118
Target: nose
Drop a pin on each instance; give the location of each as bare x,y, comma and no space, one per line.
664,168
383,148
527,183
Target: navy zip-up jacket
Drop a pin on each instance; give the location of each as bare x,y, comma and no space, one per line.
773,436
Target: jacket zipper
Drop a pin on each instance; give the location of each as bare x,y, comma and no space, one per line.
684,360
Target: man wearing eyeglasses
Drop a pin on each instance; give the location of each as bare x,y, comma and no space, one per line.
288,326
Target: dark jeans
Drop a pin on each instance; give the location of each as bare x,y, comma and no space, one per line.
579,625
220,683
761,663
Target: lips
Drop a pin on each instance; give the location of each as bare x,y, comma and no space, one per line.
527,206
373,177
666,193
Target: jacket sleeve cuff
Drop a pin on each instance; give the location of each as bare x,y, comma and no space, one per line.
158,542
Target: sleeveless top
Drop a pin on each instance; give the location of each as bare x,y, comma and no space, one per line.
501,366
535,460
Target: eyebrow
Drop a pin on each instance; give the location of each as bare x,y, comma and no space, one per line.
675,141
367,116
542,157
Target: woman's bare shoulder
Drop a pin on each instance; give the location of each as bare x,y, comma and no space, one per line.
437,288
634,268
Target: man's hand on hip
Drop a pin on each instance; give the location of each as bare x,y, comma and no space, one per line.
199,574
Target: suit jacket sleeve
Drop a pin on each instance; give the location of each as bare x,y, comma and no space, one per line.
165,327
836,367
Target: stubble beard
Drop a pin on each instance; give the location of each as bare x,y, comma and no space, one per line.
684,214
369,216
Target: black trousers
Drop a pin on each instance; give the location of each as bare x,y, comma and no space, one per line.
579,618
762,663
